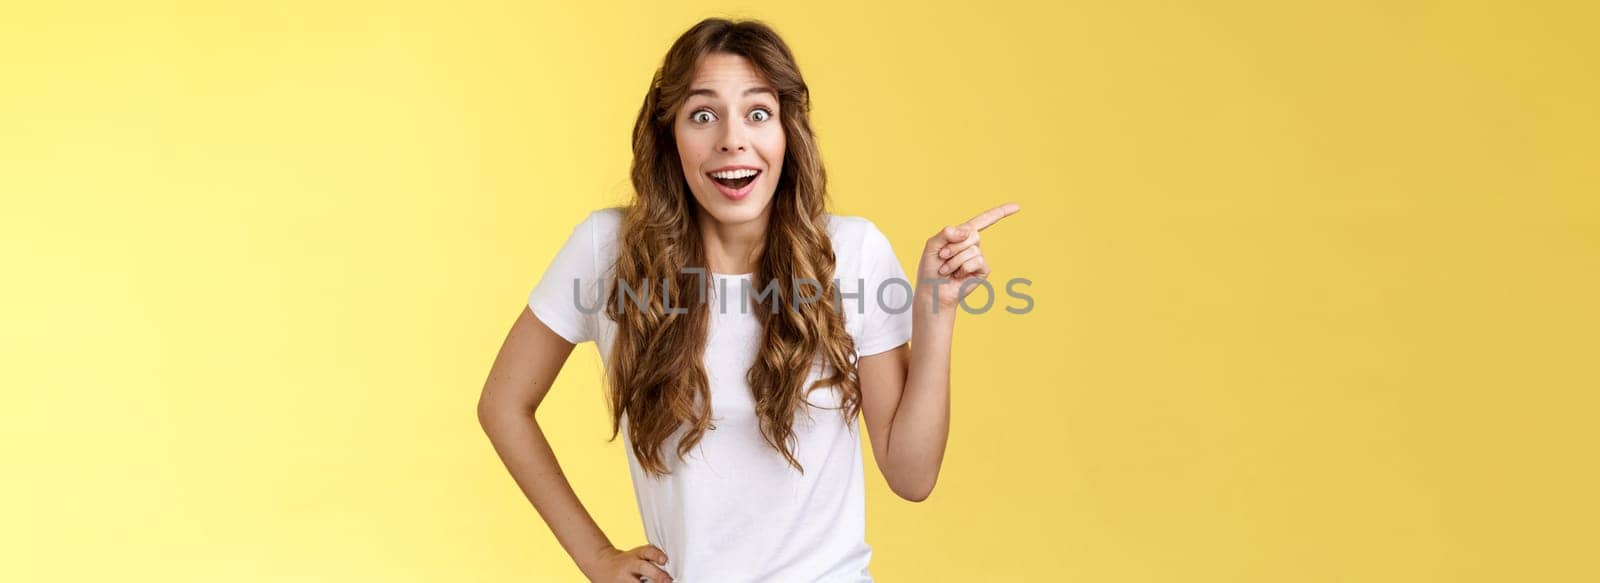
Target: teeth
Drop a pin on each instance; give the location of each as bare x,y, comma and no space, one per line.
732,174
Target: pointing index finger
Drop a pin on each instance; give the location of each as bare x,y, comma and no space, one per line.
991,216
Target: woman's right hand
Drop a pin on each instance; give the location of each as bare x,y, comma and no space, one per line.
619,566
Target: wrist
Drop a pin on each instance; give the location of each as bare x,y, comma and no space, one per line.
587,563
926,305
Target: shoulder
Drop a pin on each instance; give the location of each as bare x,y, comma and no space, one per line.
601,227
849,232
593,240
859,247
606,221
606,226
597,225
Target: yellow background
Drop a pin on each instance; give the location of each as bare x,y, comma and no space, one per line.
1315,285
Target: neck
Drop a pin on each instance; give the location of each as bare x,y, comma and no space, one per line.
732,248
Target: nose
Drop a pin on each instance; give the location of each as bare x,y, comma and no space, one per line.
732,138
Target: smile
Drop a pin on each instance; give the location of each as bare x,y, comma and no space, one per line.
734,183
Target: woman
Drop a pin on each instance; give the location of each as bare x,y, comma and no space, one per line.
743,329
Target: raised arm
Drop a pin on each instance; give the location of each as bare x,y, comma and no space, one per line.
527,364
906,391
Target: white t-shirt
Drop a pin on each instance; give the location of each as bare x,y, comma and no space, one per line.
734,509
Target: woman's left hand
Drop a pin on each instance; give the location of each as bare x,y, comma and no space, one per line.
953,254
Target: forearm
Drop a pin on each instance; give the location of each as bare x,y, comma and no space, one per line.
522,446
921,426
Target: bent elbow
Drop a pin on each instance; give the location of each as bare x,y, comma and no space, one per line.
916,493
490,410
498,409
486,410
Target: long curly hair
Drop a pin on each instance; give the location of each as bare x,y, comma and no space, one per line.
657,375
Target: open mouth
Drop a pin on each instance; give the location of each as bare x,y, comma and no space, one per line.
735,178
735,183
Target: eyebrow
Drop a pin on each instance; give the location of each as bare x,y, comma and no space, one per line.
712,93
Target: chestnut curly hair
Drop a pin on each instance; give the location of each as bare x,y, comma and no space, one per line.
656,372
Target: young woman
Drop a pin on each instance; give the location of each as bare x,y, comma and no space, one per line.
743,330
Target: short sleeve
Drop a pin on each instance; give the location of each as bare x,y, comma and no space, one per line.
565,298
886,317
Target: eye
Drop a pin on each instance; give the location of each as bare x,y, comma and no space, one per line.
702,116
760,114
